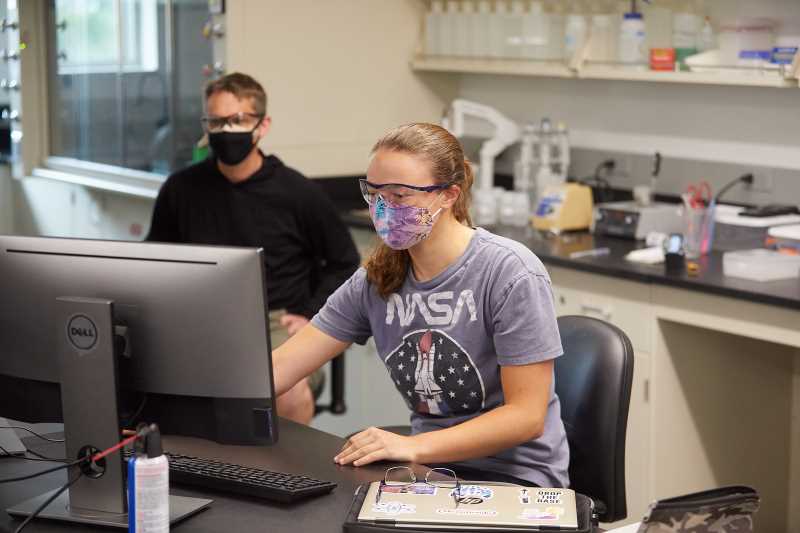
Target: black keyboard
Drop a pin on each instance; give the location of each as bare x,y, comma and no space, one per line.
227,477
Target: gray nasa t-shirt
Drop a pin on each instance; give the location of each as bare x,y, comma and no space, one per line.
444,340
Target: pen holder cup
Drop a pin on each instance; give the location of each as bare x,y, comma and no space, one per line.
695,228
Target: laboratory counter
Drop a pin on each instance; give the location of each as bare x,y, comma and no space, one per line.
556,251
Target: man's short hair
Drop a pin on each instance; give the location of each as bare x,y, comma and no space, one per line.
241,86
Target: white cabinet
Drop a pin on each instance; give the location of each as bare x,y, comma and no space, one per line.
637,442
626,305
712,377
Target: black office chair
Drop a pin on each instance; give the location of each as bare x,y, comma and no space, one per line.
337,405
593,382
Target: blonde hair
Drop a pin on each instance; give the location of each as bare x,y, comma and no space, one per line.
387,268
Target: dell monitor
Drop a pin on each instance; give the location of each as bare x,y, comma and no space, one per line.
172,334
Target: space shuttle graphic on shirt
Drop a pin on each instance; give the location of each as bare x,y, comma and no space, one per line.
435,375
425,382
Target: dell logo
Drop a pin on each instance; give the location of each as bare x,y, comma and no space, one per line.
82,332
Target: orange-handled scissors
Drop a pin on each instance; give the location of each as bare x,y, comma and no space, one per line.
699,194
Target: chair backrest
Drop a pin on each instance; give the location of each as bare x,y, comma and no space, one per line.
593,381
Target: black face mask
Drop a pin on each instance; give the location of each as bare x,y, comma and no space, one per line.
231,147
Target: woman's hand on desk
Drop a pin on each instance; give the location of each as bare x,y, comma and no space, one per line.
293,323
375,444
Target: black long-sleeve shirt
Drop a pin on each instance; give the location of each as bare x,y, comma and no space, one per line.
308,251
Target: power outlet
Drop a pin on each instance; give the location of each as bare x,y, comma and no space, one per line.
762,182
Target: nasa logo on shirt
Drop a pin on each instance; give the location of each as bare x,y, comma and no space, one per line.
435,375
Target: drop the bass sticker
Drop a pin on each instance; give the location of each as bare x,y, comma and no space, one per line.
549,496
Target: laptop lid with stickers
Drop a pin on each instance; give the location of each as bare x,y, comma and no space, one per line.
484,506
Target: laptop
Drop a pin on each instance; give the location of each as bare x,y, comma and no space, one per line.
9,441
483,506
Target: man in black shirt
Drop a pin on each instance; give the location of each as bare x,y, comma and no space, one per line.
242,197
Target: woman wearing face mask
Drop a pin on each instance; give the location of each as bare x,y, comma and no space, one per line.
463,319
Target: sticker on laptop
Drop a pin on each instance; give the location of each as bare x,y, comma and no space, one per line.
466,512
394,508
415,488
524,496
548,513
549,496
472,494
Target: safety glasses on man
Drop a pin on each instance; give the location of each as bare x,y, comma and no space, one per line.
237,122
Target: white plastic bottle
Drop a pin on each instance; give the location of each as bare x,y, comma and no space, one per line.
461,30
433,30
632,40
555,30
497,29
513,30
576,31
448,28
148,486
480,29
707,40
535,32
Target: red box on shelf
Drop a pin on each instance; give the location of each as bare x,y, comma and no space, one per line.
662,59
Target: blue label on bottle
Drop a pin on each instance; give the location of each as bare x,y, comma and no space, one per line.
765,55
783,55
132,495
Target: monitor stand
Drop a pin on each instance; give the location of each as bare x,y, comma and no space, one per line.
86,346
10,443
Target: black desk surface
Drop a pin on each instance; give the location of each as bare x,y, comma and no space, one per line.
300,449
555,251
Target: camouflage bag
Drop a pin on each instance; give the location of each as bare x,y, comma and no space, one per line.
722,510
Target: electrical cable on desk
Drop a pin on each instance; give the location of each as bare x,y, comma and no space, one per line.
43,457
43,472
48,501
93,458
33,433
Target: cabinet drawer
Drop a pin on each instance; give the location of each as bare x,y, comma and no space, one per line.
623,303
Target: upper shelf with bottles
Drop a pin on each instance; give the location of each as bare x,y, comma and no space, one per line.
662,41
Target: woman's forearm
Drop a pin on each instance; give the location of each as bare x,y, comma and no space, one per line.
499,429
301,354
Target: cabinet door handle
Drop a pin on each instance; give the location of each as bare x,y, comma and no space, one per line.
603,311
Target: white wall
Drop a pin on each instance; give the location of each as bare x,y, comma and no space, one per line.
336,73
